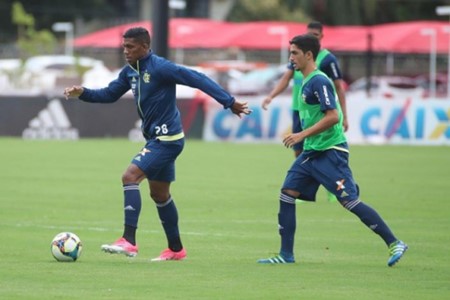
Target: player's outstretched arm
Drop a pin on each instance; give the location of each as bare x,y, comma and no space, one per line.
74,91
239,108
278,89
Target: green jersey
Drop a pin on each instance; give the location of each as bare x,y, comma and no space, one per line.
317,94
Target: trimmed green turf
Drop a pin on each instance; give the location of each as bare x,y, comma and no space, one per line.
227,197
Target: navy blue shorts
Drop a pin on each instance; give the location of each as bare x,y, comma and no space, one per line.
328,168
157,159
296,127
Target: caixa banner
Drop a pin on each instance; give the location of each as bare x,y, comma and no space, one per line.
401,121
260,126
408,121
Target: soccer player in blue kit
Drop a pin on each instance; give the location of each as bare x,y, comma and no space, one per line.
153,80
324,160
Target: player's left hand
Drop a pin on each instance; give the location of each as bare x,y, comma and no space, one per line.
292,139
73,91
239,108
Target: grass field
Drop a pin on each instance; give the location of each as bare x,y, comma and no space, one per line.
227,197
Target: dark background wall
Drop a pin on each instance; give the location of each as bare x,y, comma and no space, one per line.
35,117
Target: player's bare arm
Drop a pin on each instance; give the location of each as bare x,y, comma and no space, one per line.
330,118
342,101
279,88
73,92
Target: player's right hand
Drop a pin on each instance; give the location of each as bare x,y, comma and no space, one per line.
266,102
239,108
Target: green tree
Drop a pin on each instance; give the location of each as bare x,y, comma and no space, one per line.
250,10
337,12
30,41
21,18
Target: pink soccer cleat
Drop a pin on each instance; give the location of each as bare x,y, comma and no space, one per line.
168,254
121,246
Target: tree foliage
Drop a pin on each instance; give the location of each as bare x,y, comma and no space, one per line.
337,12
250,10
30,41
330,12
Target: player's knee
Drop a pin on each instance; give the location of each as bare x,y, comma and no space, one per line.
132,175
159,196
128,178
290,193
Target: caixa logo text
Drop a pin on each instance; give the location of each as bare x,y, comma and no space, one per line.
258,125
407,122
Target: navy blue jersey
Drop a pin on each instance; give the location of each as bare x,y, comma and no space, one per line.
330,66
153,83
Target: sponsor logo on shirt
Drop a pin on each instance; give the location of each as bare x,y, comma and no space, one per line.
325,93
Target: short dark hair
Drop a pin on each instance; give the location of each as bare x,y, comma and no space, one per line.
307,42
140,34
315,25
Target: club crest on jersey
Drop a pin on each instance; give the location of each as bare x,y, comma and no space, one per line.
144,151
340,184
146,77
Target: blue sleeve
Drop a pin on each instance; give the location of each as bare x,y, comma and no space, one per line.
290,66
330,66
324,91
115,89
194,79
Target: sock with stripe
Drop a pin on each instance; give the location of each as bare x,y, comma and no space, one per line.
287,224
132,210
168,215
372,220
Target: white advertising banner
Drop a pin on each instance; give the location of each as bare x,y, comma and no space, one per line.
407,122
410,122
260,126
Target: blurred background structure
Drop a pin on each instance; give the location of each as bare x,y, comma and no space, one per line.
46,27
388,49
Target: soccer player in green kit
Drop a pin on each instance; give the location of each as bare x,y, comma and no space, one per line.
324,160
325,62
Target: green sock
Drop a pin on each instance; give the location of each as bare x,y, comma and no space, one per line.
331,197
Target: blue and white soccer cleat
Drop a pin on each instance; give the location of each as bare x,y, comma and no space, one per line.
396,251
278,259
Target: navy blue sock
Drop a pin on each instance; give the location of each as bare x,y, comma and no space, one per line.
287,224
132,209
129,233
169,219
372,220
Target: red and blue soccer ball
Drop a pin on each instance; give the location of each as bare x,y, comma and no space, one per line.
66,246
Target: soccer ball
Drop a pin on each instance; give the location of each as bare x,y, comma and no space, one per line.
66,246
